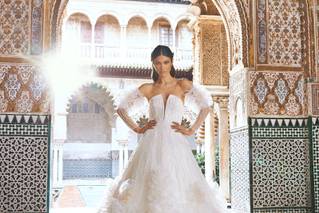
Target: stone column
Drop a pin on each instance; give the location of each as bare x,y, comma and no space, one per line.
60,163
123,42
125,154
122,155
210,145
200,137
224,146
55,165
174,40
120,159
60,136
92,53
149,34
196,53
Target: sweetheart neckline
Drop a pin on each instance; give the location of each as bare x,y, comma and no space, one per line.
165,103
160,94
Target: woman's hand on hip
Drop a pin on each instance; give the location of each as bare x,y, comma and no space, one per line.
149,125
179,128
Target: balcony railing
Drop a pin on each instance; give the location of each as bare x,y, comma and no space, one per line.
85,50
102,52
138,53
107,54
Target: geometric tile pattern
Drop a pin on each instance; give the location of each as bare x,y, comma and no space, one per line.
280,166
277,93
315,162
24,163
239,151
291,210
23,89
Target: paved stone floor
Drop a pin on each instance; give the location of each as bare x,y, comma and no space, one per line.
83,196
92,210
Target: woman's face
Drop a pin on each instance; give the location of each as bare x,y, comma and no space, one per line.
163,64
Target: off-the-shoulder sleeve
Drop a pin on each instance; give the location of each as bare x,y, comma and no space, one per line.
132,99
198,98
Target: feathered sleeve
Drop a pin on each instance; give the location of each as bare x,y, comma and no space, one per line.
132,100
198,98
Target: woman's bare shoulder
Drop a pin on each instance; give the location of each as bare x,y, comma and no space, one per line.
146,88
185,84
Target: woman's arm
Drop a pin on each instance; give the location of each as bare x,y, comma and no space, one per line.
131,124
128,102
127,119
200,119
204,110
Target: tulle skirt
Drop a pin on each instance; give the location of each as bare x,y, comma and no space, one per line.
162,176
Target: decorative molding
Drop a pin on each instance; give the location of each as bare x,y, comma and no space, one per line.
136,72
36,27
315,99
315,161
279,122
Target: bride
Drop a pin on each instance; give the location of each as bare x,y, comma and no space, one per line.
162,175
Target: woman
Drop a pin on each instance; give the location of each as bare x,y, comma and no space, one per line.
162,175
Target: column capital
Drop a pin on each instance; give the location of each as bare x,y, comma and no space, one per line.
222,101
122,142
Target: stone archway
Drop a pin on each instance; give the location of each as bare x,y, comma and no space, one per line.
234,13
100,95
234,17
84,150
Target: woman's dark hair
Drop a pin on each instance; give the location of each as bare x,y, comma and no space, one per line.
165,51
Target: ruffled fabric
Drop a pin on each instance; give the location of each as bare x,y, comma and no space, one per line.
162,175
132,100
198,98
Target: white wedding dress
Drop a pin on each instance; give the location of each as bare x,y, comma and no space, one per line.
162,175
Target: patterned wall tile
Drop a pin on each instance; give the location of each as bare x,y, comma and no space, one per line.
21,27
295,210
277,93
14,27
23,89
24,163
239,154
280,32
315,161
280,165
315,99
36,26
262,31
